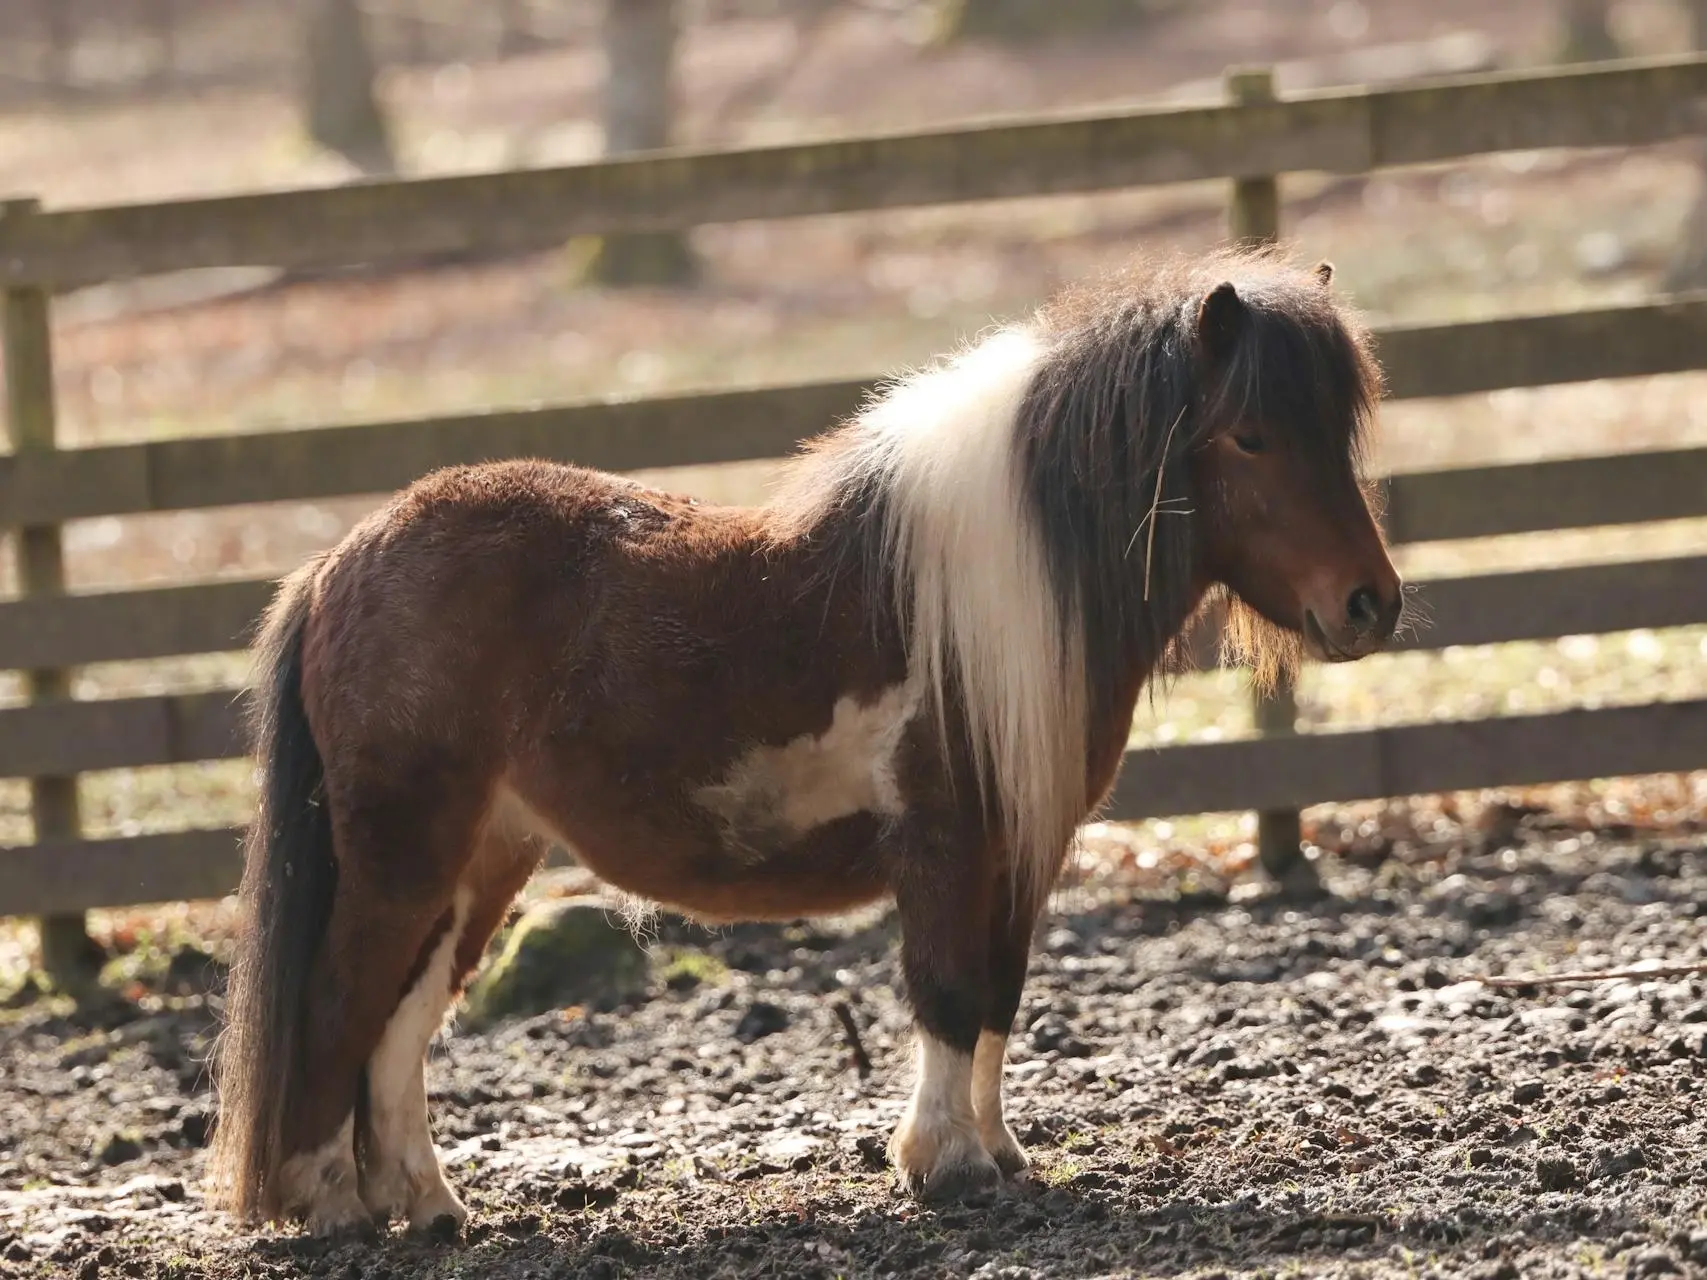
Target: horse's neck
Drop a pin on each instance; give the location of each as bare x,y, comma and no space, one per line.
1114,705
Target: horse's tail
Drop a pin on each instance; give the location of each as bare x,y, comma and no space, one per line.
288,880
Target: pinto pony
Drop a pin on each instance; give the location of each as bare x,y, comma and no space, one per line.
911,674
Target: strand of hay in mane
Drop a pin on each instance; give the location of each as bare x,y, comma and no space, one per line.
1156,502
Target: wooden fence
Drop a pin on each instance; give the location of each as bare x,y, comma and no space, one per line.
46,631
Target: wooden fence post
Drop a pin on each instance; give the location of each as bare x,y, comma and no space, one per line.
1253,217
59,31
67,954
163,18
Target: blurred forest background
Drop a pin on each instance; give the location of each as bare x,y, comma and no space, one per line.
143,100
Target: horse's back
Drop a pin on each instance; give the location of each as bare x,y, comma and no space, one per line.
467,589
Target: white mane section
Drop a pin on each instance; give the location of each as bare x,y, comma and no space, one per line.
975,585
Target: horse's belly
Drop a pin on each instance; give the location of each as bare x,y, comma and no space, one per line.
668,854
777,830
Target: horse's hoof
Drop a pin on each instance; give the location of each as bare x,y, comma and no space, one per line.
438,1214
1009,1159
1003,1147
950,1182
444,1229
341,1224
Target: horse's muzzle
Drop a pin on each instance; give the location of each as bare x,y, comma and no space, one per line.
1346,644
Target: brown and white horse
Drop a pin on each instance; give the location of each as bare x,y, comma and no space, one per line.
911,675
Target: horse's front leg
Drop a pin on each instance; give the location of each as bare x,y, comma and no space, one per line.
1013,920
943,896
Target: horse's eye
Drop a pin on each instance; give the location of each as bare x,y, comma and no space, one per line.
1248,443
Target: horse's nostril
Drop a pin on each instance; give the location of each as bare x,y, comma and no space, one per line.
1363,610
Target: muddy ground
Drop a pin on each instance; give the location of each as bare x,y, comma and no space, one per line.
1208,1086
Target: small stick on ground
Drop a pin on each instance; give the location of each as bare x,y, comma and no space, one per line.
862,1059
1596,975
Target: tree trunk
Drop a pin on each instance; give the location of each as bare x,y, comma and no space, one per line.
1588,36
339,106
639,60
61,33
163,17
515,36
1688,266
640,52
1026,20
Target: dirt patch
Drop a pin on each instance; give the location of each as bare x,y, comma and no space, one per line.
1206,1086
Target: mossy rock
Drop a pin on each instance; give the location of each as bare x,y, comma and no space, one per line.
570,951
685,968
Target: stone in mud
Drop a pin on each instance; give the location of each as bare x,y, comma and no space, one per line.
121,1148
1052,1034
564,952
761,1019
1615,1162
1653,1262
1556,1172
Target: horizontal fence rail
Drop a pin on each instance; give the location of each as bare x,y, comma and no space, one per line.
1312,768
120,626
1340,131
697,429
1412,759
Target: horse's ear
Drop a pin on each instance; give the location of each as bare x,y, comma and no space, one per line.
1325,273
1220,316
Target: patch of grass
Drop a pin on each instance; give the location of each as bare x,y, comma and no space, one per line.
1060,1173
684,968
1079,1140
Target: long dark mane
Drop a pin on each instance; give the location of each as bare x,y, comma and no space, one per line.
1123,401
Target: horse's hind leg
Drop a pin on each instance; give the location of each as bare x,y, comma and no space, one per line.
943,899
370,946
399,859
400,1169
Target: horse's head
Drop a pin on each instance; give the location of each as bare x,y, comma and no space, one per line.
1283,511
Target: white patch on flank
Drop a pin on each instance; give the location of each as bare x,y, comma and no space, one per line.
815,779
939,1131
401,1174
321,1184
975,585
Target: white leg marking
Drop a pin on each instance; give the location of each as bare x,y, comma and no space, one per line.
936,1148
401,1175
321,1184
993,1129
